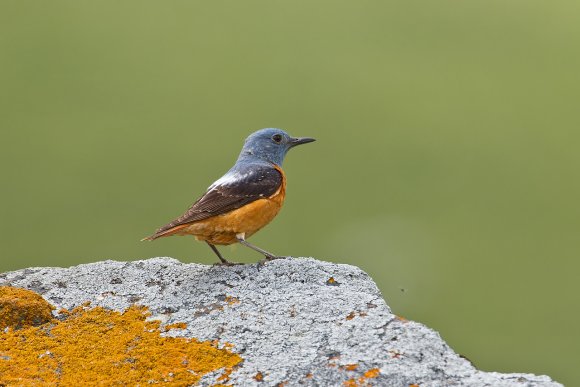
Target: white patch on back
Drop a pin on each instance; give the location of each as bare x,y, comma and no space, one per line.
228,179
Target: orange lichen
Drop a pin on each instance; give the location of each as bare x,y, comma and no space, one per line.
351,367
353,314
232,300
363,380
401,319
103,347
259,376
225,377
20,308
177,325
372,373
414,385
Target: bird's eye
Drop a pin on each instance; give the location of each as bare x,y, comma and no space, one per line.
277,138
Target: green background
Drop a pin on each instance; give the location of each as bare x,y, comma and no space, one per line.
446,164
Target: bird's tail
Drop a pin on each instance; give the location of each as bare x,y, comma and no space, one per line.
163,232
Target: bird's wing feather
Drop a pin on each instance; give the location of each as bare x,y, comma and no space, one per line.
234,190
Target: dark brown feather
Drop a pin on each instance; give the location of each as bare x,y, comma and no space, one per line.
256,183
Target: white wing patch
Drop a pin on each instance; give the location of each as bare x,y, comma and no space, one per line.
228,179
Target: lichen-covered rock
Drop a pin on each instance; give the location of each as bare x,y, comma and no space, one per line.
21,308
292,321
96,346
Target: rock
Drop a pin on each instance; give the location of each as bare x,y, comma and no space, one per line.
292,321
22,308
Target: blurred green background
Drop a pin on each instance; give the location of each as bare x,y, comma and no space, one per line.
446,165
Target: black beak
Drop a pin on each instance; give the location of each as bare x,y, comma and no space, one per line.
300,140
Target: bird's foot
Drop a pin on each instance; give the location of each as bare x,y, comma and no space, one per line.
269,258
226,263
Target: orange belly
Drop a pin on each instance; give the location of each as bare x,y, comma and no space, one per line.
222,229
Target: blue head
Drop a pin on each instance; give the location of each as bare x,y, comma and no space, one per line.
270,145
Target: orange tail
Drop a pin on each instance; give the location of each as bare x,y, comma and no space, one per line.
164,233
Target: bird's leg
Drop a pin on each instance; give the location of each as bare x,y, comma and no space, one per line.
222,259
241,237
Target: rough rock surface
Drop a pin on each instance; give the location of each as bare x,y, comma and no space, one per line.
293,321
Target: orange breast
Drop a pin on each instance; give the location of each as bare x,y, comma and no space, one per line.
222,229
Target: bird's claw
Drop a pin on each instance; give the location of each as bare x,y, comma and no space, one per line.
269,258
227,263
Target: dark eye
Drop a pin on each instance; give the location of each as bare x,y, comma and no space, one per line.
277,138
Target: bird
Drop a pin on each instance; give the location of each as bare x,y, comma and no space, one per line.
242,201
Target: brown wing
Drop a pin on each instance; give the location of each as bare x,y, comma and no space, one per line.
234,190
